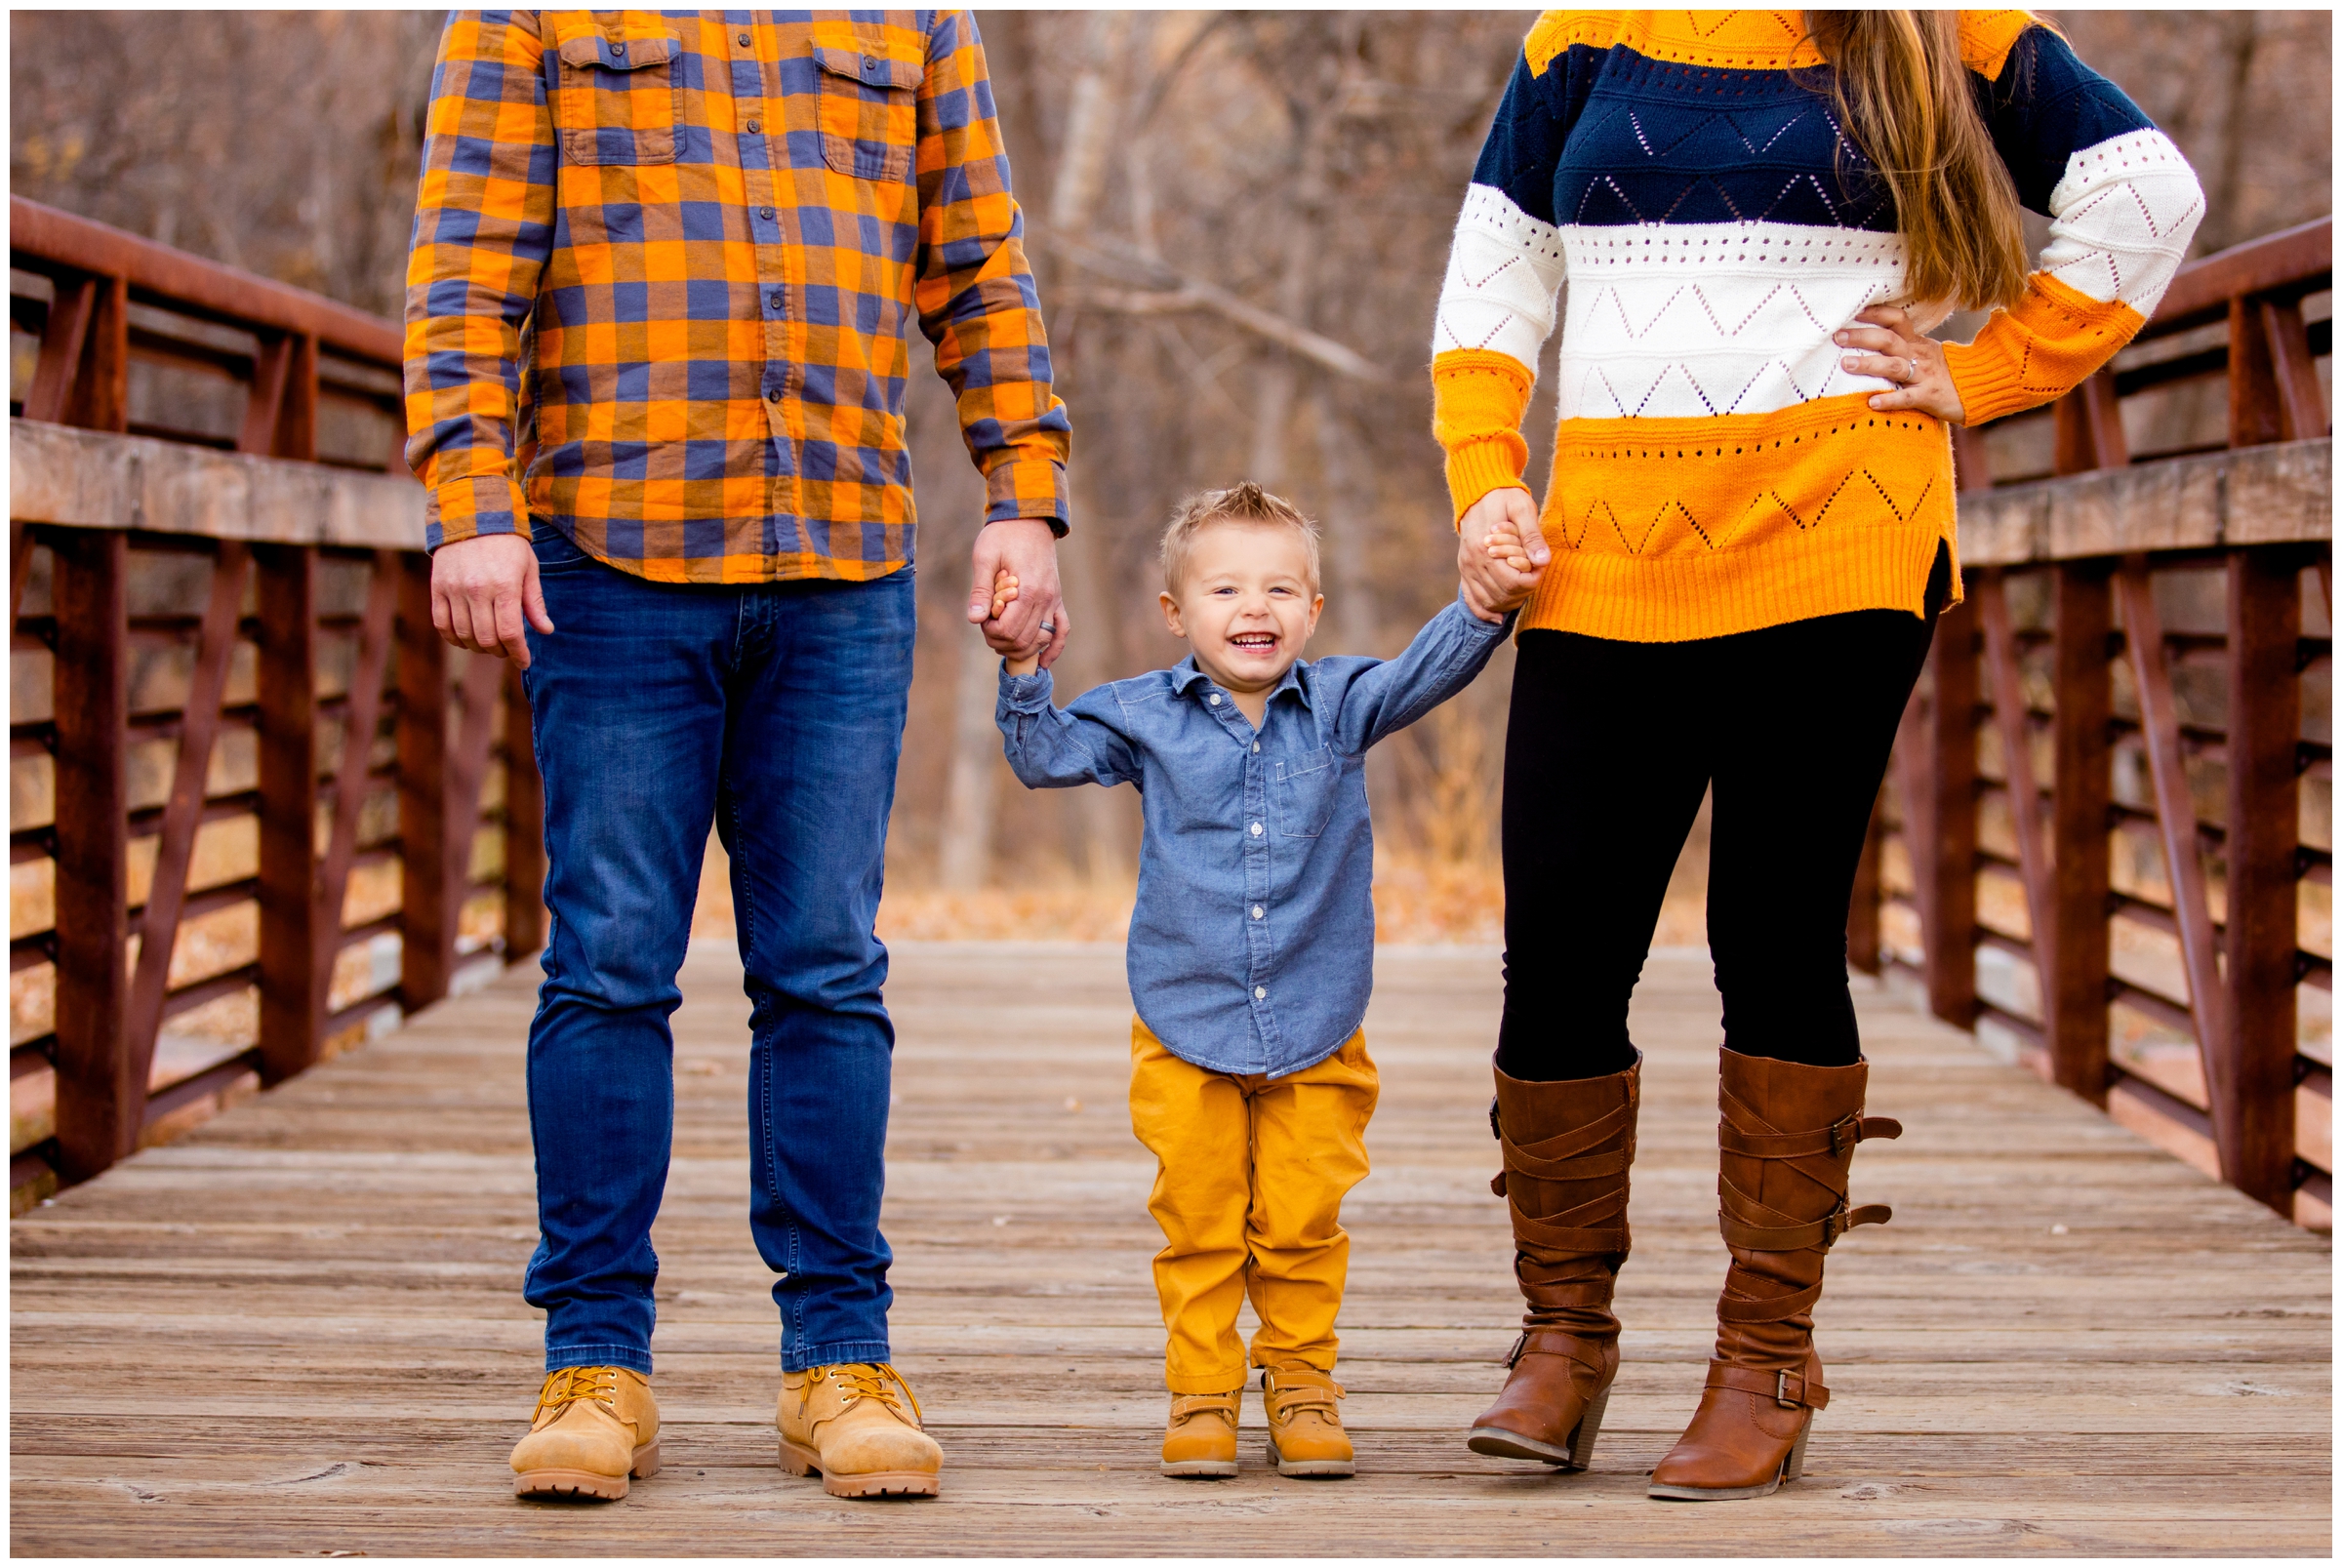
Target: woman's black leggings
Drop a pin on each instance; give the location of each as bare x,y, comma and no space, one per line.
1609,748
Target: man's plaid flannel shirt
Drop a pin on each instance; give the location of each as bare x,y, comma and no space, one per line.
660,270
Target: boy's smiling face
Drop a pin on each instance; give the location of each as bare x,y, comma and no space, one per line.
1246,605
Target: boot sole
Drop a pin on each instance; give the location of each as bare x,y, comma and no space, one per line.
1792,1469
586,1483
1310,1469
798,1460
1199,1469
1575,1453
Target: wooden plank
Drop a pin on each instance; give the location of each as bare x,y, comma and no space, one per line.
183,813
99,399
336,1263
2267,495
524,826
292,999
93,479
427,955
96,1099
1949,837
2073,990
2089,428
2263,831
57,366
264,407
2175,822
2300,406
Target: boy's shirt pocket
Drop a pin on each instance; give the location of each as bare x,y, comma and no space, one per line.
1301,798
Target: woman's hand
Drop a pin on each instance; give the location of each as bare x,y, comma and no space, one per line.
1500,553
1894,346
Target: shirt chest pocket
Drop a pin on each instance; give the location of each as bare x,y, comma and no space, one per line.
1301,797
616,100
868,105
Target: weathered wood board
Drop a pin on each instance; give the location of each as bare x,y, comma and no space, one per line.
298,1329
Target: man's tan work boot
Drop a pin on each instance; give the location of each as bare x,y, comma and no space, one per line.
593,1427
1200,1440
847,1425
1304,1423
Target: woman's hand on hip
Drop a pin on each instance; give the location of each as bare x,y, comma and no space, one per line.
1888,343
1500,553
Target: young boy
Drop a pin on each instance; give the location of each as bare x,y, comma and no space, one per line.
1251,949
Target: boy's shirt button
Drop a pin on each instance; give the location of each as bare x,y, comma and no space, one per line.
1255,745
1215,699
1259,993
1256,829
1255,911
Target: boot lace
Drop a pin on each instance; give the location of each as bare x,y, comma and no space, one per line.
571,1385
877,1381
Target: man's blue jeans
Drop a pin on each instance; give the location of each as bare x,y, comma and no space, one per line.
776,710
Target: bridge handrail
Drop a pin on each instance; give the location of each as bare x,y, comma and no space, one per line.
2112,563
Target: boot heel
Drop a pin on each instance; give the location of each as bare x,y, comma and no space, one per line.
795,1461
1589,1428
646,1461
1794,1465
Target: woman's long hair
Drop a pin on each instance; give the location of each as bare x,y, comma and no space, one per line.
1902,94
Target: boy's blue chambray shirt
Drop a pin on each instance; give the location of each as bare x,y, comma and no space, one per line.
1252,946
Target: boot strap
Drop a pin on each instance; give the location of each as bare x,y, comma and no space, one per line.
1834,1140
1573,1139
1790,1391
1616,1162
1742,1309
1816,1234
1533,1341
1573,1230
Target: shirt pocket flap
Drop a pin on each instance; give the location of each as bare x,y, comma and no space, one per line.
630,51
871,69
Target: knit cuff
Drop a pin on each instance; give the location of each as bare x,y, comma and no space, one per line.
1474,468
1986,379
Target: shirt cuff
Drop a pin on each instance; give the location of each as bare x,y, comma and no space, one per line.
1029,488
1025,694
459,510
1485,630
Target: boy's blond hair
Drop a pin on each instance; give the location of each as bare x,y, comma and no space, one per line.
1246,502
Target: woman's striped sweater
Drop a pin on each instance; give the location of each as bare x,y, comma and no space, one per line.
1716,469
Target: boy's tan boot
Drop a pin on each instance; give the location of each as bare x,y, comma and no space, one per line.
1200,1440
849,1426
1304,1423
593,1427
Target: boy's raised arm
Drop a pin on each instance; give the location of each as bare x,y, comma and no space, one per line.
1053,748
1383,697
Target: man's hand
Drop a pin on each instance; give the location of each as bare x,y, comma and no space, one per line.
1493,583
480,587
1892,344
1034,622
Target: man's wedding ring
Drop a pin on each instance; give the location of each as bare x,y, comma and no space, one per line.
1049,627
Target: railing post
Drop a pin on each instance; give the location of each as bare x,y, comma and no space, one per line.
292,983
1947,893
428,929
524,826
97,1104
2264,731
2073,989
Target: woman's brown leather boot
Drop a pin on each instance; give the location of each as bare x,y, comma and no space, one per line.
1786,1140
1567,1150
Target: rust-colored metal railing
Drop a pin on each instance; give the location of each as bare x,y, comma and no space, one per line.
2099,787
260,793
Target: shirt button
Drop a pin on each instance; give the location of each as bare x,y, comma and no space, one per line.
1256,829
776,299
1255,745
755,126
1215,699
773,396
1255,911
1259,993
619,50
768,212
743,40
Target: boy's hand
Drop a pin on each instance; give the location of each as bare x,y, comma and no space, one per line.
1500,553
1004,594
1035,620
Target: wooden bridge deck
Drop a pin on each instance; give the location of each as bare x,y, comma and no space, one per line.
298,1329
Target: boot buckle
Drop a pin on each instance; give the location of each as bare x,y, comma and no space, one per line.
1781,1390
1845,1134
1513,1356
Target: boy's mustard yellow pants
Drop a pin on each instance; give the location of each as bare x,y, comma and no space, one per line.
1251,1171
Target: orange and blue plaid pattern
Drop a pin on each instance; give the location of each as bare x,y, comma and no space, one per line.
662,266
